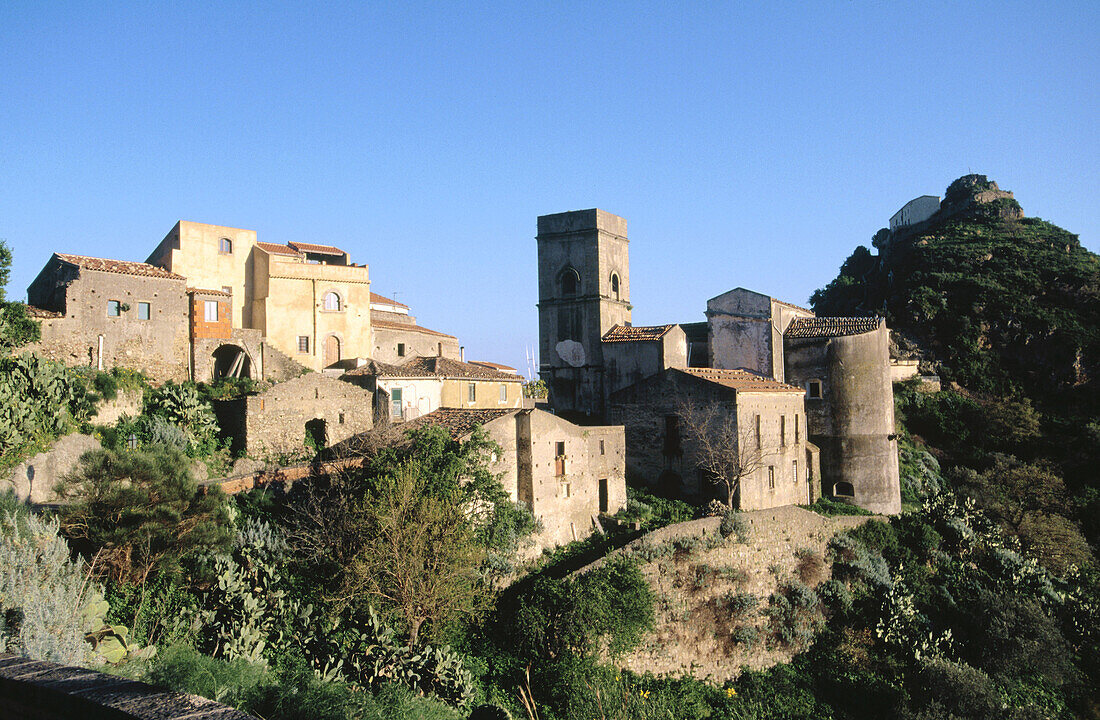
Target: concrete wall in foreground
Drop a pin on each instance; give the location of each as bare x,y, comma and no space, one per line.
36,690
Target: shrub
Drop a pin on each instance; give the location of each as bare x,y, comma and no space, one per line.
140,510
734,525
810,567
795,613
746,635
740,605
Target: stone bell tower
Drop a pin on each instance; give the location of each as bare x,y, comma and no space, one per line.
584,290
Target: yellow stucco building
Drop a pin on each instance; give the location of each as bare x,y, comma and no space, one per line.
306,299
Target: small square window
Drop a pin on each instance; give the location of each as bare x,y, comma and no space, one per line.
471,392
303,343
341,418
400,349
210,310
143,311
225,246
114,308
813,389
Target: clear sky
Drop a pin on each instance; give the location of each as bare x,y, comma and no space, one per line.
747,144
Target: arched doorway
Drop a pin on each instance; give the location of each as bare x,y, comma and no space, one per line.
331,351
231,361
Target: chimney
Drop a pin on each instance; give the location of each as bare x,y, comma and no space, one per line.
462,353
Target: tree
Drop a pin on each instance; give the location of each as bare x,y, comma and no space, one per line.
16,328
419,555
725,452
139,510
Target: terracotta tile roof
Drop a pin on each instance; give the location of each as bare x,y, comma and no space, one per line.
459,422
122,267
628,333
322,249
381,300
206,291
43,313
388,325
741,380
381,369
277,249
439,367
831,327
496,366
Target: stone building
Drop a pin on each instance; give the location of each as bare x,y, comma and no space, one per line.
753,423
278,421
592,358
584,291
104,313
425,384
915,211
568,475
844,366
306,299
398,338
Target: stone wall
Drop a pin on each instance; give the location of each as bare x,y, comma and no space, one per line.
204,365
38,690
33,480
278,366
415,341
853,421
740,331
568,505
127,402
275,421
157,346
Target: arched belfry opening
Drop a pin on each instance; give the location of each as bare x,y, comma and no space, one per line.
614,286
231,361
569,282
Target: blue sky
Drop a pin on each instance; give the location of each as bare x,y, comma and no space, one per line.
747,144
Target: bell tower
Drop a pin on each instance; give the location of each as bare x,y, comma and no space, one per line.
584,290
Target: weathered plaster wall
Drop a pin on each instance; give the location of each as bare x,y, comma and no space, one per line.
783,450
740,334
157,346
456,394
626,363
568,505
853,423
417,342
419,396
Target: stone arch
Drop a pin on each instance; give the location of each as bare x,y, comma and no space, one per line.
230,361
843,489
331,349
569,281
332,301
614,286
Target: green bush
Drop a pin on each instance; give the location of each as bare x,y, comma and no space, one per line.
734,525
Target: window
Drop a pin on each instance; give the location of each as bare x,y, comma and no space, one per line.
672,435
341,418
566,490
114,308
601,448
396,409
813,389
569,281
332,301
758,442
225,246
143,311
844,489
210,310
559,459
471,392
603,495
771,477
303,343
614,286
503,392
783,430
400,349
797,439
794,471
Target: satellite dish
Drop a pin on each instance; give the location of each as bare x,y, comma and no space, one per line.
571,352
